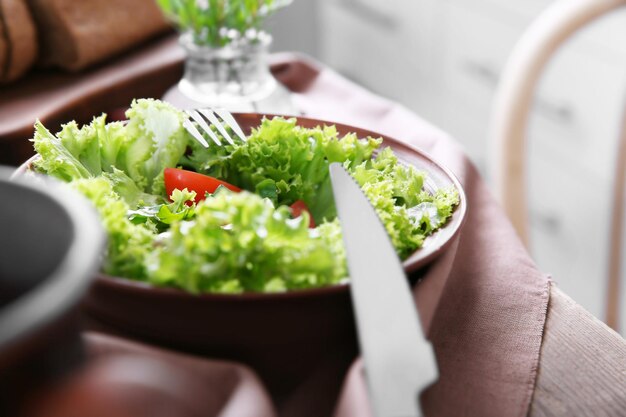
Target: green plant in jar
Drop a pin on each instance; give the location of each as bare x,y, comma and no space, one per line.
215,23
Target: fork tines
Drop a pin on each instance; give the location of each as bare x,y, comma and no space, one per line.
206,117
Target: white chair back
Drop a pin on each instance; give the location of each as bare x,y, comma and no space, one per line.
512,105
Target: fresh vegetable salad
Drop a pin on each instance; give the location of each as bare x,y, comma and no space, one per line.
257,216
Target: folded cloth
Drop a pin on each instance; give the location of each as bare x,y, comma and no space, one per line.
483,303
18,39
76,34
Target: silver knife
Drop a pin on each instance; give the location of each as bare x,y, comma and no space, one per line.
399,361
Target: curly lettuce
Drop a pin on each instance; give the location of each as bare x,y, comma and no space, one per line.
128,243
285,163
132,154
233,242
240,242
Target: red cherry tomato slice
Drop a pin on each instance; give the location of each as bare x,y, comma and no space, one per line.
179,179
296,211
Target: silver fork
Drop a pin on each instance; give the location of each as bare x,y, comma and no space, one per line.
207,117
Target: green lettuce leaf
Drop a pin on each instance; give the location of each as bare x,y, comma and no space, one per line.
163,215
128,189
136,152
55,158
233,242
285,162
159,141
128,243
240,242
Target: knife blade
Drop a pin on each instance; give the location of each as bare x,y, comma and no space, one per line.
399,360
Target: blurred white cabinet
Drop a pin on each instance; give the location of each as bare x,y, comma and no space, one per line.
390,47
443,59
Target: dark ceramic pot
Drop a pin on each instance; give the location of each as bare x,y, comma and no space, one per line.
49,251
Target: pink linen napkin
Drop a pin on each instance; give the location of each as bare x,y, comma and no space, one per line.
483,303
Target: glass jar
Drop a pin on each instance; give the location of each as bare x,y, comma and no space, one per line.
235,76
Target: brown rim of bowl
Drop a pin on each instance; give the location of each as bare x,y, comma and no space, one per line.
409,265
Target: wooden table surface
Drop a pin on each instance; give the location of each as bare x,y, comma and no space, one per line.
582,370
58,97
